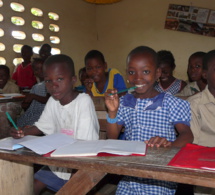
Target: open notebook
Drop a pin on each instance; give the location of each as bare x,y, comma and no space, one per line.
100,148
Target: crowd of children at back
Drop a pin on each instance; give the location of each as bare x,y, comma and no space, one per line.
158,96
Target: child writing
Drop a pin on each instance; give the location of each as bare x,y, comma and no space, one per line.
36,99
167,82
147,116
66,111
203,111
23,74
99,80
7,86
195,69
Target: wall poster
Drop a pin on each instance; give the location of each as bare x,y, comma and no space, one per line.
191,19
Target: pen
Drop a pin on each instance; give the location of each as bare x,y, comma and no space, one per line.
124,90
11,120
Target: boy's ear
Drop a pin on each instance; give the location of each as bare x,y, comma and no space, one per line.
204,74
74,79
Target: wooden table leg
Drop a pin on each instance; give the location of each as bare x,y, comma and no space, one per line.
81,183
16,178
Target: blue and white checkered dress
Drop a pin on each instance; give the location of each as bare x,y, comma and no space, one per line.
146,118
32,114
174,88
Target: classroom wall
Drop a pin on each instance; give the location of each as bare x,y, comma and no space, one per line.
130,23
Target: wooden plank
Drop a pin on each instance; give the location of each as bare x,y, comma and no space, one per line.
81,183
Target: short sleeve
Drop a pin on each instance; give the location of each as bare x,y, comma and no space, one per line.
119,83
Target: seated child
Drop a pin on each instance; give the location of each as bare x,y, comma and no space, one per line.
99,80
194,71
7,86
66,111
148,116
167,82
203,111
82,74
23,74
45,51
36,99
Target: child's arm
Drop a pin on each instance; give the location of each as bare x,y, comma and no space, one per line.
26,131
112,103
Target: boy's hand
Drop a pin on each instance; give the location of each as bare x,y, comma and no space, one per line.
112,101
158,142
88,83
16,133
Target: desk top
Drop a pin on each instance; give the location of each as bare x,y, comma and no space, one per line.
16,99
153,165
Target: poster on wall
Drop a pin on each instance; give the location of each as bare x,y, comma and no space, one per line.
191,19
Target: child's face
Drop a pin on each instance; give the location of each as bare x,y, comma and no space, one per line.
195,68
26,54
210,76
44,52
3,78
96,69
59,82
142,72
38,70
166,72
83,77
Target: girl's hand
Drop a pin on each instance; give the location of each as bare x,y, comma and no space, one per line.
112,101
158,142
88,83
16,133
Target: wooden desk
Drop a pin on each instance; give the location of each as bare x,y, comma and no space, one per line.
92,169
13,106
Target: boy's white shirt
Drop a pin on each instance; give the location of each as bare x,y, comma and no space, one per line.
79,116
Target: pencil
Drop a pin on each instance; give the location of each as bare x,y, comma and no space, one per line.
11,120
124,90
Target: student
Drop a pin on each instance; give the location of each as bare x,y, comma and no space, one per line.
7,86
45,51
99,80
167,82
66,111
148,116
23,74
82,74
36,99
203,111
195,69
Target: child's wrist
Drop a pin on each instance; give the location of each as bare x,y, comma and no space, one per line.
111,120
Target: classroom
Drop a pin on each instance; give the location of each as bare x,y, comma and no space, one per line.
115,29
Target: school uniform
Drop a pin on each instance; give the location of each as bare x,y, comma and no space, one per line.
190,89
10,87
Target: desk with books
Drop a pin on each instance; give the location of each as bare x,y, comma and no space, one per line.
92,169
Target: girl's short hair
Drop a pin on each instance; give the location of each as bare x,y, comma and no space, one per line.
166,57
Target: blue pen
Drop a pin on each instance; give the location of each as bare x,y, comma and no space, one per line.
124,90
11,120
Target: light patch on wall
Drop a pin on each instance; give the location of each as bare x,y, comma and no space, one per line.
17,48
54,39
1,3
17,7
19,35
37,24
17,21
54,28
36,49
17,61
1,18
53,16
2,61
36,12
37,37
55,51
2,47
1,33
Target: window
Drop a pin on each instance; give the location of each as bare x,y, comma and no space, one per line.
54,39
17,48
18,35
17,21
37,37
2,47
55,51
17,7
36,49
53,16
1,18
1,33
54,28
17,61
1,3
37,24
2,61
36,12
